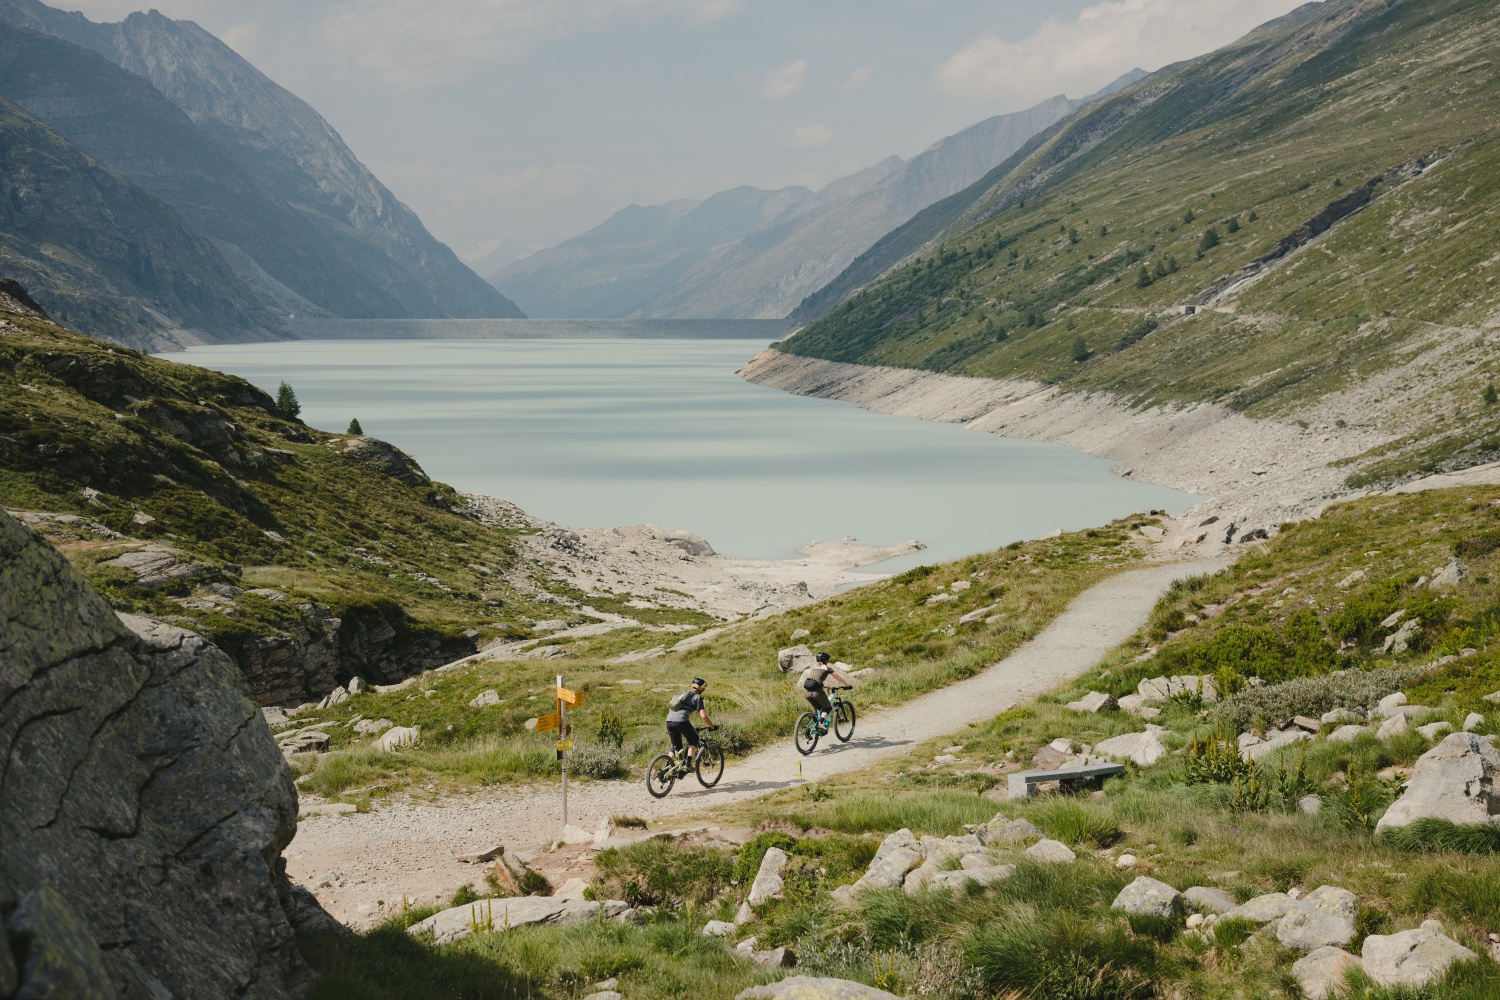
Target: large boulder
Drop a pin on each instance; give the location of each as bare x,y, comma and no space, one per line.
144,796
1412,958
795,659
1208,899
1457,780
1143,749
1323,918
1263,909
1148,897
812,988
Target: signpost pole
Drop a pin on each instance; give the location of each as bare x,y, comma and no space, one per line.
562,755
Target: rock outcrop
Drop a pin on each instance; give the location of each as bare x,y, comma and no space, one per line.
144,805
1457,780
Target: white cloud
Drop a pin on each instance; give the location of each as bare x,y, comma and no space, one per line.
857,79
811,135
1078,56
417,43
784,81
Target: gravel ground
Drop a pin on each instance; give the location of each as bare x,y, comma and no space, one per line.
371,861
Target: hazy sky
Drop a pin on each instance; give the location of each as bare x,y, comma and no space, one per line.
509,125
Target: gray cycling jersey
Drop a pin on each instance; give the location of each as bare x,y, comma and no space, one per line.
684,705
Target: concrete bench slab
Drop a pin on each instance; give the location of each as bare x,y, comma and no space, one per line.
1022,783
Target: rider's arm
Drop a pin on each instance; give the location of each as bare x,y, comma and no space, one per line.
706,720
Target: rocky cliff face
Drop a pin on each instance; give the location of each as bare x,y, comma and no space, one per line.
332,233
143,803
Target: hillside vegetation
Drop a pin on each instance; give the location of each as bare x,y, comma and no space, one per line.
1324,194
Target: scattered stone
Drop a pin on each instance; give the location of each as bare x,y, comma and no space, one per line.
458,922
747,946
718,928
1351,579
328,809
974,862
1262,909
1387,706
1433,730
1148,896
794,659
485,699
1273,743
1127,861
810,988
1400,640
1325,917
1310,805
1143,749
1493,697
370,726
938,599
1307,724
984,876
605,995
959,586
975,615
1164,688
1094,702
1321,972
337,696
303,741
397,737
1136,705
801,633
1050,851
775,958
1339,715
1013,832
573,888
277,718
576,835
843,897
358,685
768,883
743,915
1195,920
1457,780
898,854
1208,899
1394,726
485,856
1411,958
1450,575
1348,734
1473,721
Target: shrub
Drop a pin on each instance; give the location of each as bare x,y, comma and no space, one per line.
611,730
1356,690
1061,955
533,883
1081,350
1215,759
659,870
1210,239
597,762
1364,799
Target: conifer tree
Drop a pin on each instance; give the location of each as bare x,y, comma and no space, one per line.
286,402
1080,349
354,428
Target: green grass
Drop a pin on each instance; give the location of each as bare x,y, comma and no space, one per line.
1008,294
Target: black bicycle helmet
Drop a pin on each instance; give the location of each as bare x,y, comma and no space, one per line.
822,657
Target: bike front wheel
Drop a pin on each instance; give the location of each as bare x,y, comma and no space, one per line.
661,774
710,764
843,722
805,736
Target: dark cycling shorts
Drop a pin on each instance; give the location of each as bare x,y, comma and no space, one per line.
677,730
818,699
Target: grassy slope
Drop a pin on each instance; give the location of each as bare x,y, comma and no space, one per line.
1048,933
78,414
913,646
1267,133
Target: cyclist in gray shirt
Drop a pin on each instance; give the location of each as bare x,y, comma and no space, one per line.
679,726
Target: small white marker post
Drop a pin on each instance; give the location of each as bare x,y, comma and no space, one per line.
562,755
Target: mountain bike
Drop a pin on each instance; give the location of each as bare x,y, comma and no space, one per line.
810,728
666,768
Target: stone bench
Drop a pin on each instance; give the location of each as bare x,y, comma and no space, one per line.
1022,783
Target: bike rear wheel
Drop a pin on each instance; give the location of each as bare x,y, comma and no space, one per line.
805,736
661,774
843,722
710,764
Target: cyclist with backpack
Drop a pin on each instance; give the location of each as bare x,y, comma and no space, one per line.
679,721
815,680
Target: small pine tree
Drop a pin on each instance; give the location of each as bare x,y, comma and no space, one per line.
1210,238
286,402
1171,265
1073,236
1161,269
1233,225
1490,396
1144,279
1103,231
354,428
1188,217
1080,349
1253,215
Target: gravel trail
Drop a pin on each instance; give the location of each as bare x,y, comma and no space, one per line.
409,851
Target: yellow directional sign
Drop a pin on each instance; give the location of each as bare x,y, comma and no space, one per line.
548,722
573,699
564,744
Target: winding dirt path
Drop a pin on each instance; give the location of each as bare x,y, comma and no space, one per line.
410,851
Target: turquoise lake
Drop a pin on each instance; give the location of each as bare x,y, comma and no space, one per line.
598,430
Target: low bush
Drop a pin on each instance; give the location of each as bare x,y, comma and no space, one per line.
659,870
1355,690
597,762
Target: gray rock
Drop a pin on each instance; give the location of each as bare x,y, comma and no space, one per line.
1400,640
573,888
1143,749
458,922
1457,780
1338,716
1454,573
1433,730
337,696
1014,832
1208,899
843,897
775,958
157,566
898,854
1387,706
1310,805
768,883
1348,734
1411,958
358,685
1394,726
976,614
371,726
1493,698
1473,721
1322,918
1095,702
810,988
1262,909
973,862
1136,705
1273,743
398,737
58,956
145,791
485,699
743,915
606,995
794,659
1148,896
983,876
718,928
1164,688
1050,851
747,946
1321,972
